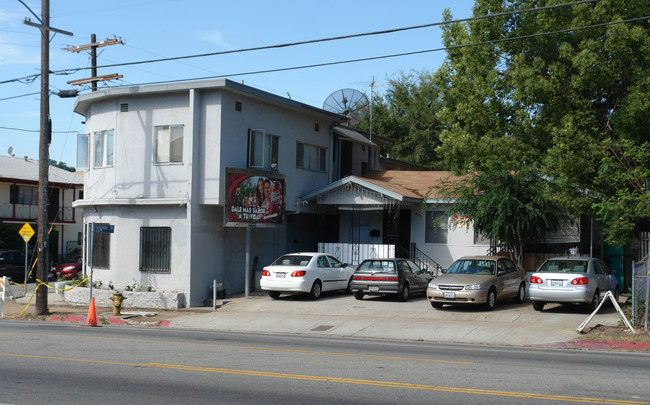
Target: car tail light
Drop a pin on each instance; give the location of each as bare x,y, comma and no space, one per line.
358,278
299,273
536,280
392,278
265,272
580,281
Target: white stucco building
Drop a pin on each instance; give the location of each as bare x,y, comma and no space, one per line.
158,163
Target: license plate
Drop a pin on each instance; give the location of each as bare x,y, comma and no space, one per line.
449,295
280,275
556,283
373,288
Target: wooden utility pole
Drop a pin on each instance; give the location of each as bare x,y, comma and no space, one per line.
44,155
92,46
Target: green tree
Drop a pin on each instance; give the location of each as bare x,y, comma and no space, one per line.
61,165
507,206
407,113
567,103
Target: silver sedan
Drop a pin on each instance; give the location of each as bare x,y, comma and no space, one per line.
572,279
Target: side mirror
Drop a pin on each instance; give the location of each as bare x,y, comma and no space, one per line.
501,272
443,270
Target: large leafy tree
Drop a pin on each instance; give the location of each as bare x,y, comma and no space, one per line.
505,205
567,103
407,112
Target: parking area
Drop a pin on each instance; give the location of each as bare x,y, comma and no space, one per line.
339,314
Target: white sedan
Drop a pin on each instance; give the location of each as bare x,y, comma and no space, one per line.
310,273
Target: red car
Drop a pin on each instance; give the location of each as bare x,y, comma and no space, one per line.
67,270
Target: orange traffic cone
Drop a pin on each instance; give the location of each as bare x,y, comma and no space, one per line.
91,319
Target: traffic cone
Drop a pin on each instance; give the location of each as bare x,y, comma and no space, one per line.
91,319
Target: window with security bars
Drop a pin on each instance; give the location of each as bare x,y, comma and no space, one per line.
155,249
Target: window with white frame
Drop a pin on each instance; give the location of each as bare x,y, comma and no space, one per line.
103,147
436,223
155,249
311,157
262,150
169,144
82,151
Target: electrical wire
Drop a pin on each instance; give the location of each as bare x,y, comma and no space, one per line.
37,130
370,58
290,44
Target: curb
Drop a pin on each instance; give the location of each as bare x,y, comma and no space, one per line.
108,321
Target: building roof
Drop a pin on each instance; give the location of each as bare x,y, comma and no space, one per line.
362,137
25,169
398,185
83,103
411,183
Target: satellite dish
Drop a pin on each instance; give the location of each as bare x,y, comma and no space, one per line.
350,103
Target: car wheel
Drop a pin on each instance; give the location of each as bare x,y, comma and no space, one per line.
491,299
521,293
538,305
274,294
314,294
404,293
349,288
594,302
436,304
358,295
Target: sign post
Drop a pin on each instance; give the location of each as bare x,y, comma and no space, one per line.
26,232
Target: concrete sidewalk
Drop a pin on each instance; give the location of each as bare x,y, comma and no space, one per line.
340,315
386,318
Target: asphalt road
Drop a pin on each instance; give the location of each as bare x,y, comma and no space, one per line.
44,362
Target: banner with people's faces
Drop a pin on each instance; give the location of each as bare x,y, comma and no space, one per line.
253,198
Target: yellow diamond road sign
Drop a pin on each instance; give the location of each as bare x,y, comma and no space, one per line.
26,232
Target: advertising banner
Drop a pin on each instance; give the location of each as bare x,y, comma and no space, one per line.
254,199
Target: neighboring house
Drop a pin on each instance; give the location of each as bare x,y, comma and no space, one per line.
19,204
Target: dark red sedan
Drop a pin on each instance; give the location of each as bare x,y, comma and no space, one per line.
67,270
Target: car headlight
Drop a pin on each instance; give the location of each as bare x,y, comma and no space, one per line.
473,287
433,285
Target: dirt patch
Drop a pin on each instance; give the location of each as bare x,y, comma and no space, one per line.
14,310
615,333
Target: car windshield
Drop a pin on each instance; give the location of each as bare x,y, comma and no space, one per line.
564,266
292,260
377,266
471,266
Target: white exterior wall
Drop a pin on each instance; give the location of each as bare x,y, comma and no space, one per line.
133,173
124,258
460,241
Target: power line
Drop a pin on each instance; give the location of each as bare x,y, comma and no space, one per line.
37,130
370,58
313,41
22,95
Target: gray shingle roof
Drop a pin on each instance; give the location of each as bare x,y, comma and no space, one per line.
20,168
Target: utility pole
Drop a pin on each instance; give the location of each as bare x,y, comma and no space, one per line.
44,153
92,46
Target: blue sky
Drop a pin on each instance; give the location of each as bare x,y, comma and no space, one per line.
152,29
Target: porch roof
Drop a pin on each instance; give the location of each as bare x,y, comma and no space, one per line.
390,185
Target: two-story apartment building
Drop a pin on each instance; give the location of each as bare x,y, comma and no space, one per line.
19,203
157,159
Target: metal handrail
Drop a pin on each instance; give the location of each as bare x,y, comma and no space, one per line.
421,259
